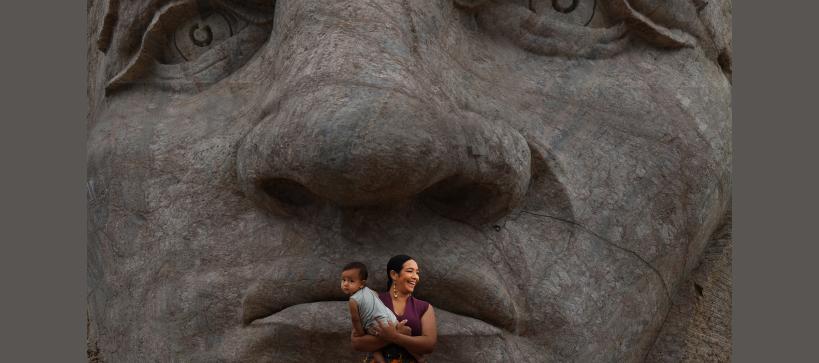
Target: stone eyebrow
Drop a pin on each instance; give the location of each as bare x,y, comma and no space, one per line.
155,27
108,23
134,26
257,11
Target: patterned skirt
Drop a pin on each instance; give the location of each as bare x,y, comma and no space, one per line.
393,354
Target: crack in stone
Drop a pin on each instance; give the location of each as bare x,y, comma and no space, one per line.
587,230
414,48
659,331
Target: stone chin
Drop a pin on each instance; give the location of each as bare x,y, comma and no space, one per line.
555,173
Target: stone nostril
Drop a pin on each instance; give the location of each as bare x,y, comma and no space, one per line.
286,193
465,201
381,148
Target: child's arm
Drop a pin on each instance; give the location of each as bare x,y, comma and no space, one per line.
358,330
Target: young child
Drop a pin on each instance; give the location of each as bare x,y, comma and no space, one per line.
366,309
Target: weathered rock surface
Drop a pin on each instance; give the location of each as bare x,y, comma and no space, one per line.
557,169
698,326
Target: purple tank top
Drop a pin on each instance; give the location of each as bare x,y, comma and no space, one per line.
413,312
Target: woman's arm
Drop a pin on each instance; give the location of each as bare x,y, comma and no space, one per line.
366,343
359,344
423,344
358,338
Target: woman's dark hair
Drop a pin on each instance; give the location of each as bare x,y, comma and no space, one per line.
396,263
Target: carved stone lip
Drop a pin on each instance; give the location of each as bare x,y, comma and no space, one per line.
449,324
460,290
298,329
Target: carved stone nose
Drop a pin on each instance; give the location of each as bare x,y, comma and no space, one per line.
365,146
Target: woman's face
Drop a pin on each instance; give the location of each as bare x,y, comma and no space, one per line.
408,278
234,167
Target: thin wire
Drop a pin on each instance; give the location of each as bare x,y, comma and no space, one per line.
594,8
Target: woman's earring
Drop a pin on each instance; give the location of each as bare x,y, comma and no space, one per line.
394,291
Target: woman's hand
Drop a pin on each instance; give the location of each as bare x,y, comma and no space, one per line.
366,343
388,332
423,344
403,328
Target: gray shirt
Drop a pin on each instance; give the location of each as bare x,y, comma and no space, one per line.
371,309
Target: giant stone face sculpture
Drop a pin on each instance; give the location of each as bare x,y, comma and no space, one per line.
555,167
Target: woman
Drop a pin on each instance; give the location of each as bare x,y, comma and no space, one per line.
402,278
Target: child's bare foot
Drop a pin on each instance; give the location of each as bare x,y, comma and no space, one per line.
379,358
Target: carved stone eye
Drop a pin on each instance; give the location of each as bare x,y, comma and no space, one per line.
198,35
201,36
562,7
577,12
190,45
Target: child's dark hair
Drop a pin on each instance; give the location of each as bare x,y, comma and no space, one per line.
362,269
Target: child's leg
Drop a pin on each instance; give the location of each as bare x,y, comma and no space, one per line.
408,331
377,356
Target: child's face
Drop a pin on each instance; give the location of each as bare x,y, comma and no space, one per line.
351,281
